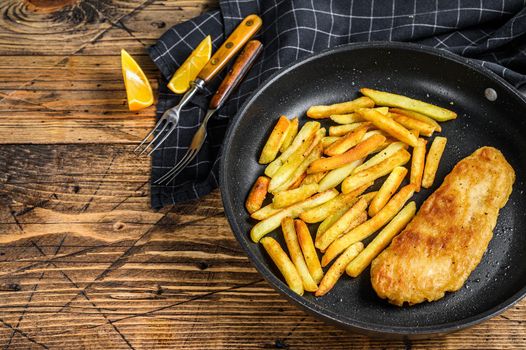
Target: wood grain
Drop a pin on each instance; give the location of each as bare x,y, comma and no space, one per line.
84,262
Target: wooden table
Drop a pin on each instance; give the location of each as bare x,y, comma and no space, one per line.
85,262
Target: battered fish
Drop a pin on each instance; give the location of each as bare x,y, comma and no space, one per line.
445,241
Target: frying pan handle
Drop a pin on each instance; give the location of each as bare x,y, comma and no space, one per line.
240,68
243,33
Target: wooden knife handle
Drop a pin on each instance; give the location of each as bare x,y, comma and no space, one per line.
243,33
241,66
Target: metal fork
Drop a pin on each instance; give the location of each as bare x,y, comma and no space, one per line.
170,118
240,68
168,122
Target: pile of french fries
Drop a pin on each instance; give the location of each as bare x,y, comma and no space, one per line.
318,178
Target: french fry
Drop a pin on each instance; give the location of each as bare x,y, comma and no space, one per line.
361,150
321,212
297,183
384,145
287,198
341,130
291,132
369,196
333,217
376,171
291,239
393,100
336,176
388,125
325,224
353,117
318,112
366,229
386,153
281,176
417,116
257,194
305,135
368,134
284,264
433,159
387,190
329,140
265,226
417,164
346,142
300,170
313,178
388,139
346,118
338,268
383,110
360,192
341,225
382,240
308,250
336,214
414,124
415,133
265,212
274,141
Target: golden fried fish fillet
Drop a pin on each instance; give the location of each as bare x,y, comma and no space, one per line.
445,241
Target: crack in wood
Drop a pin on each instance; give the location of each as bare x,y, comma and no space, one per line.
120,25
97,247
125,199
121,260
24,310
93,40
83,12
34,290
22,333
86,206
30,208
198,297
208,275
13,215
85,295
151,313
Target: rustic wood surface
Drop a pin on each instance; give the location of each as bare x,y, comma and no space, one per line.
85,263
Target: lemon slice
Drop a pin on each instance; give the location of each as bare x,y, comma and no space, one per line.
138,89
187,72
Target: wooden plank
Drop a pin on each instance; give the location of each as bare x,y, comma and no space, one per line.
62,90
62,30
148,24
81,100
189,278
84,262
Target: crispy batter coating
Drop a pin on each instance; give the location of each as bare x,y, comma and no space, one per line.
447,238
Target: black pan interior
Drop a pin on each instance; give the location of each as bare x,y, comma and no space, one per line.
426,74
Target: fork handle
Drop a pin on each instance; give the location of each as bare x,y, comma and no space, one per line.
241,66
235,41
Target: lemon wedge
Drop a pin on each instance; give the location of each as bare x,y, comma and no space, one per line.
138,89
187,72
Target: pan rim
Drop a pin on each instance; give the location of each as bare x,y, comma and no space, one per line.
308,305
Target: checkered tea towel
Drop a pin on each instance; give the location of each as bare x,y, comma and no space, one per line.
491,32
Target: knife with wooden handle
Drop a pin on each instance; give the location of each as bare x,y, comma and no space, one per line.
235,41
240,68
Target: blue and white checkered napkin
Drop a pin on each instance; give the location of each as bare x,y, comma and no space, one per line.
493,32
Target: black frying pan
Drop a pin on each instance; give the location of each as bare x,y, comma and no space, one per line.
424,73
